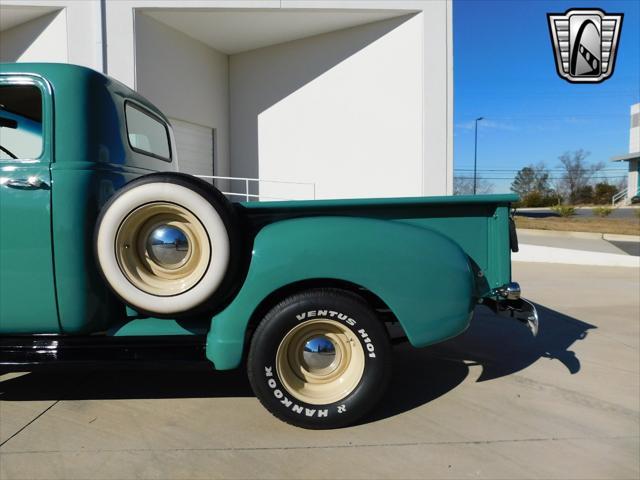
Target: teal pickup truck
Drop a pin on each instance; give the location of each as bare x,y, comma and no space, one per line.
109,257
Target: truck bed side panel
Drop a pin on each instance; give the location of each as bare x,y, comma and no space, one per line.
423,276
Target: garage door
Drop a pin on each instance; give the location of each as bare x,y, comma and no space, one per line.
195,147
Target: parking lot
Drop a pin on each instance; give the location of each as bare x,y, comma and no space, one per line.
493,403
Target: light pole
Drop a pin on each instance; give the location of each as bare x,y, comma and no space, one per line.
475,157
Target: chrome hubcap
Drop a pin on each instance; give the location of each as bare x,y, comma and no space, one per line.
319,353
168,246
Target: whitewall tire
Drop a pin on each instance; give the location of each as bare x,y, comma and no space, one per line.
166,244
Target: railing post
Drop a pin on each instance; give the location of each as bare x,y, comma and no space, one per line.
246,188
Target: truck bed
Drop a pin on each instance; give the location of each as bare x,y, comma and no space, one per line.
479,224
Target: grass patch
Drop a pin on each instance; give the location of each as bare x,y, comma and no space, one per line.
624,226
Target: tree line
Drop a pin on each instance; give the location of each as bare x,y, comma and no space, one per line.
575,184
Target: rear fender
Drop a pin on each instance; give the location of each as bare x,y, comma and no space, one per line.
423,276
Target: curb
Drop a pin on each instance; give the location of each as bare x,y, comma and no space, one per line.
542,254
615,237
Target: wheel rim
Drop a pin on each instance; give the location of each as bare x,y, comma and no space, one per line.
145,255
320,361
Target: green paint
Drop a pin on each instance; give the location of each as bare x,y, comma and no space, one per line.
140,327
423,276
417,254
27,289
89,158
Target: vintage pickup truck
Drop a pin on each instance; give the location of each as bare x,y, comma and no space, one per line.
109,256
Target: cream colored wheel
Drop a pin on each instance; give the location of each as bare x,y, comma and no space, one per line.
162,249
320,361
164,245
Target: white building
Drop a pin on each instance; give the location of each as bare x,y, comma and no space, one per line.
633,157
352,96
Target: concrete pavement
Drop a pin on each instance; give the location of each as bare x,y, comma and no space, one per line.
493,403
578,248
587,242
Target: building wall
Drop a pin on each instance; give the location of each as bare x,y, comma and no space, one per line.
341,109
633,181
365,111
186,79
634,130
70,33
43,39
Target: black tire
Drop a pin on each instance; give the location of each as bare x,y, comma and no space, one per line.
350,311
209,207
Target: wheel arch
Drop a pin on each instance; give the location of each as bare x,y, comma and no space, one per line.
427,283
299,286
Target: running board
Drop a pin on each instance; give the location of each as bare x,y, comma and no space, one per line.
31,352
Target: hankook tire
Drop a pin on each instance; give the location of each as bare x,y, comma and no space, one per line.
320,359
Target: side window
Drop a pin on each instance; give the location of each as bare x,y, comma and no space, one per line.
20,122
146,133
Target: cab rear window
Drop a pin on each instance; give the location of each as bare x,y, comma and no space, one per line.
146,133
20,122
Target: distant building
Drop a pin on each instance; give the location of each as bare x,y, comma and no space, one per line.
354,98
633,157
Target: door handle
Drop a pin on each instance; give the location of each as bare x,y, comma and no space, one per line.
31,183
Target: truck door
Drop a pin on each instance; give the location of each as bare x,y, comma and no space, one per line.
27,290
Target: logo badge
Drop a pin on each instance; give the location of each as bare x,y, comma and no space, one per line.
584,43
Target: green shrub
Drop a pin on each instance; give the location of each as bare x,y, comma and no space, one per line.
538,199
582,195
602,211
603,193
564,210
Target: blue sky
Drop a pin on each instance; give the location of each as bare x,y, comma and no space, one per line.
504,71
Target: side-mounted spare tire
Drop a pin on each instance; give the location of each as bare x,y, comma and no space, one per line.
169,245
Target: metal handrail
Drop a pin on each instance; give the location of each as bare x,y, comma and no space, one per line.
248,196
618,196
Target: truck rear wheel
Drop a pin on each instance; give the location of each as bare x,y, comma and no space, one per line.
168,244
320,359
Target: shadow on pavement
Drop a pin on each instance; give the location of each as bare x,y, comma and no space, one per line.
501,346
537,213
130,384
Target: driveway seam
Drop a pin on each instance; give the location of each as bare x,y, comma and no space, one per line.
30,422
326,447
64,397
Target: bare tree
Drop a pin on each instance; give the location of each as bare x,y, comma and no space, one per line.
577,174
621,183
464,186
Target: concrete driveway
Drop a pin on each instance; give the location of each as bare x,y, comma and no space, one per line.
493,403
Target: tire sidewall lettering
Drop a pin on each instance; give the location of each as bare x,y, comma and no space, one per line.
322,304
303,409
328,314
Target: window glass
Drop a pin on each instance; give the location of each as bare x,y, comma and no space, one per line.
147,134
20,122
